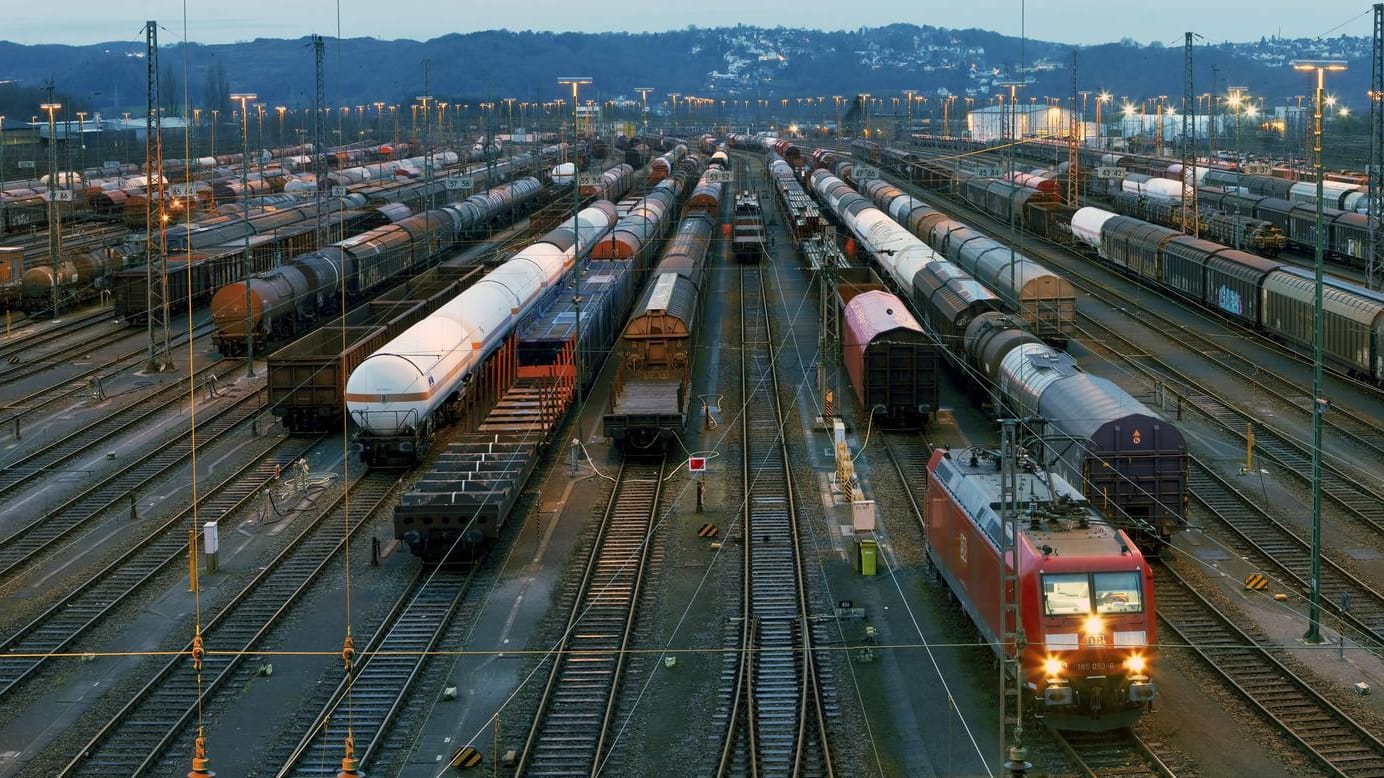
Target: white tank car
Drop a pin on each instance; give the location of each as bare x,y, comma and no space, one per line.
396,390
1087,224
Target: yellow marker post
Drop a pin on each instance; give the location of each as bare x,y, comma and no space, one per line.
1249,447
192,560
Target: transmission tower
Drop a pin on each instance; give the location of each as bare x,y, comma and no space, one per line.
319,146
1191,216
1012,638
155,247
1374,263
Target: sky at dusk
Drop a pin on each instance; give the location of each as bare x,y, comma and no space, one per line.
1063,21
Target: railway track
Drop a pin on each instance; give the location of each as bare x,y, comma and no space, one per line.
16,345
1062,259
1350,492
777,720
569,734
372,696
1328,734
56,629
43,533
29,467
1118,752
25,365
1347,491
132,741
20,407
1274,546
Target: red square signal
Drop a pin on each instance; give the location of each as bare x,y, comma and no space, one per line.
696,464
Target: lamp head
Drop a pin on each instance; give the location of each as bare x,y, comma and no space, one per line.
1308,65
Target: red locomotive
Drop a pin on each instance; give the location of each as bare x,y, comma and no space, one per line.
1086,591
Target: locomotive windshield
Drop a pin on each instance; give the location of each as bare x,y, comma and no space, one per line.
1118,593
1069,594
1066,594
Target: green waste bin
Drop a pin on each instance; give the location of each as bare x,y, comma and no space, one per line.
869,554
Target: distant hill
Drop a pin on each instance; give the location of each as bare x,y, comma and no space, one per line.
730,63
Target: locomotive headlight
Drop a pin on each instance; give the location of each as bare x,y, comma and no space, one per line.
1136,664
1053,666
1094,625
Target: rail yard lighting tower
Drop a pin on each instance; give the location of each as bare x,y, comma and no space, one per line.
908,133
243,98
575,82
54,228
1314,601
422,106
1103,97
644,106
81,141
2,165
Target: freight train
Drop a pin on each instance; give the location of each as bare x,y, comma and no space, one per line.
1131,460
1285,204
1275,298
1044,300
1252,290
291,299
1085,591
464,501
212,253
402,394
1257,235
891,362
652,389
80,279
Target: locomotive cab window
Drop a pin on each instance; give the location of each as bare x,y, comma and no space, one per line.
1066,594
1118,593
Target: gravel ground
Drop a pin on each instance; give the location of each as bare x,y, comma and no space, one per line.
176,637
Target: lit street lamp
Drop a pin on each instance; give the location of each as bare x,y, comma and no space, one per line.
247,268
644,106
54,215
2,166
1314,602
908,134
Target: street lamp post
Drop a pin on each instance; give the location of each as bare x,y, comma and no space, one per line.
259,136
54,226
575,82
1314,602
2,166
908,134
247,267
81,141
1103,97
644,106
427,143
